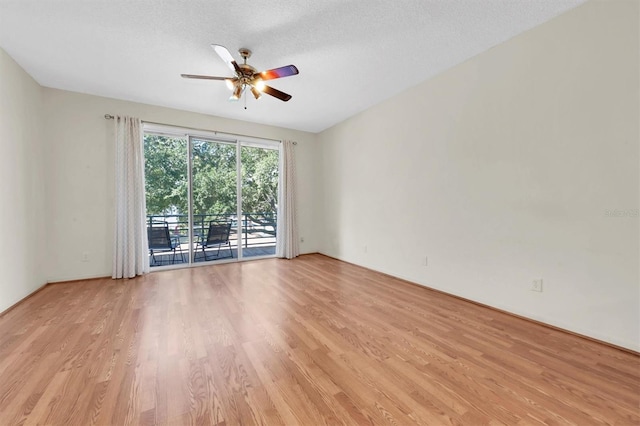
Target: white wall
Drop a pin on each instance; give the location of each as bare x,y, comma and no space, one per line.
22,249
80,174
501,171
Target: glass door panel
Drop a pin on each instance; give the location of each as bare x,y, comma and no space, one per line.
260,174
214,200
167,199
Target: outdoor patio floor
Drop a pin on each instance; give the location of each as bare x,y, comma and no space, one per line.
167,258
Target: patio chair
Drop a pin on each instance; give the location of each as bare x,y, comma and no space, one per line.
217,236
161,241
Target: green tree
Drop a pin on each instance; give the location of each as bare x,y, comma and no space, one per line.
166,182
214,177
259,180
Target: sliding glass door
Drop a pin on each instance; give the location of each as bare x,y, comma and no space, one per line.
210,199
215,199
259,184
167,198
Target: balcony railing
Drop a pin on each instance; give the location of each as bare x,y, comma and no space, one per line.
257,229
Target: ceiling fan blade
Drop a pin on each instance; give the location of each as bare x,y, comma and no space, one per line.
226,56
285,71
203,77
276,93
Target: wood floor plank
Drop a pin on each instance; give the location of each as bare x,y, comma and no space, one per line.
310,341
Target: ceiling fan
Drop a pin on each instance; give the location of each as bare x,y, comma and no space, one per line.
246,76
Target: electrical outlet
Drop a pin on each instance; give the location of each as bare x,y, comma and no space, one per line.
537,285
426,261
364,249
85,256
302,239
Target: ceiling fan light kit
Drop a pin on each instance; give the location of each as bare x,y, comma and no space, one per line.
247,76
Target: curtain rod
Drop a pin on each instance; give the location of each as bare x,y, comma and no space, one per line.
111,117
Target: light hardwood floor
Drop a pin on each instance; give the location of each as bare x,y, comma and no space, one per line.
310,341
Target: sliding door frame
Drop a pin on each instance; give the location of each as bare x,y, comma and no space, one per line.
215,137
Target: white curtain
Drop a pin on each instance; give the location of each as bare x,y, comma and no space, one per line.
287,230
130,248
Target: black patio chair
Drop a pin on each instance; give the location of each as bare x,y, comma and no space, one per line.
160,241
217,236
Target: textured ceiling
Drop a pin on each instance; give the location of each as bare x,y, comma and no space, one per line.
352,54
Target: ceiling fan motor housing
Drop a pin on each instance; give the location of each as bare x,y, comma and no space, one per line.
246,73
